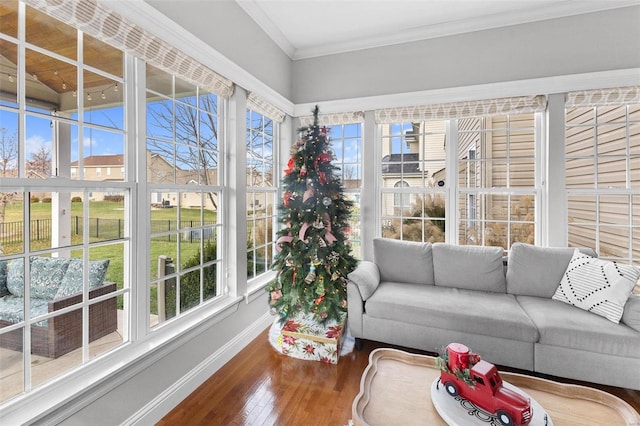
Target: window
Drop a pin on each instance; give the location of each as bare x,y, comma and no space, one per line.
261,193
346,143
59,113
401,198
412,165
497,189
98,172
182,163
486,148
603,175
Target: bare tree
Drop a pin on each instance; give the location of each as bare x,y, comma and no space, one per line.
40,162
8,168
260,151
197,159
197,132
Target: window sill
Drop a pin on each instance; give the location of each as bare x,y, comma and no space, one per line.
112,369
257,286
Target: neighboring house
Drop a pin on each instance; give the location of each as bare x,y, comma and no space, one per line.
410,161
111,167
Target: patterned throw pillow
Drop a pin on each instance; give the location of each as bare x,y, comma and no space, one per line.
597,285
46,276
15,277
72,280
3,278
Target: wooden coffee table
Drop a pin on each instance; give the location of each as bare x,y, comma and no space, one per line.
395,390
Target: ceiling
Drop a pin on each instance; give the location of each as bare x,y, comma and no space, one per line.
310,28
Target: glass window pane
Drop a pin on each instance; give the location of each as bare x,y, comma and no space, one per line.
106,219
12,223
9,166
102,56
580,172
51,34
159,81
39,148
9,78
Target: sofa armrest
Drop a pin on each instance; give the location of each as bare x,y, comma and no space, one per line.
367,277
355,310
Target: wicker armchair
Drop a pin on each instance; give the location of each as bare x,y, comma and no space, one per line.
63,333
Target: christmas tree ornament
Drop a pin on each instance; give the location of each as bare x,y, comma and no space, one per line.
290,166
326,201
311,276
322,178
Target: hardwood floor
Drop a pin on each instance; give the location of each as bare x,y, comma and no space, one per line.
262,387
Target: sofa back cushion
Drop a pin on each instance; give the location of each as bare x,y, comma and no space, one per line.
537,271
403,261
469,267
46,276
72,280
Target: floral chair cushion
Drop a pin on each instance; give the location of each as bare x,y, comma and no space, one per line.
46,276
3,278
15,277
12,309
72,280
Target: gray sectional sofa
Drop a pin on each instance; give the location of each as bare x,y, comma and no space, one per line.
425,296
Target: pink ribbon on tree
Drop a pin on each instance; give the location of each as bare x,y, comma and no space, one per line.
282,240
303,231
328,236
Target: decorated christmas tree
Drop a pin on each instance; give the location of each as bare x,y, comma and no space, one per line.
313,256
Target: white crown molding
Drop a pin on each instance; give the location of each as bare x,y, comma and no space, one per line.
255,12
537,86
147,17
552,11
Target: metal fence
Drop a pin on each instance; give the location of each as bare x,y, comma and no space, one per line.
99,228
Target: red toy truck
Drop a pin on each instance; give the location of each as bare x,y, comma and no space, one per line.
464,373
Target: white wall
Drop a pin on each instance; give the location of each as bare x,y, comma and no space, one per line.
580,44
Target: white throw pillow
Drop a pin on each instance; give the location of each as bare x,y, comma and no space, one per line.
597,286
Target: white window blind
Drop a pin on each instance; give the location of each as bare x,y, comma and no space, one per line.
334,119
603,97
111,28
515,105
259,105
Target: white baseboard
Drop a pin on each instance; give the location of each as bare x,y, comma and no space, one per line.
157,408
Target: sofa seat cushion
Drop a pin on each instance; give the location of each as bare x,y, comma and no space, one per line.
469,267
403,261
483,313
563,325
12,309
